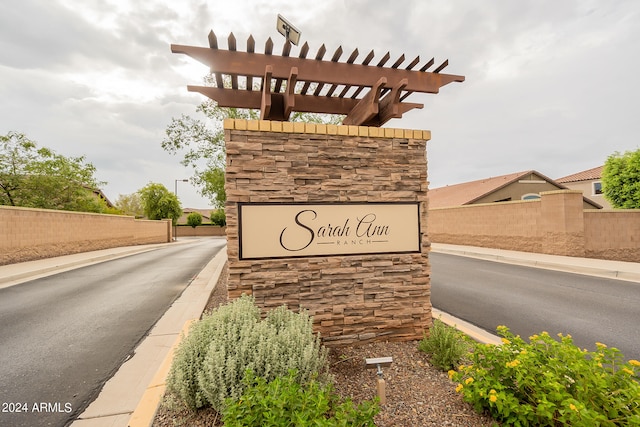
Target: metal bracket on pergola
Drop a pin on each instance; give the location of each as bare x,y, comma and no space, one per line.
286,81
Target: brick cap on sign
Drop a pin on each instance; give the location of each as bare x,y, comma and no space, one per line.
316,128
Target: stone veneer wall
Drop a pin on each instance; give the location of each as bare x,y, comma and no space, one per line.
353,299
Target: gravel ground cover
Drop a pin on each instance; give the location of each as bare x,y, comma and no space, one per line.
418,394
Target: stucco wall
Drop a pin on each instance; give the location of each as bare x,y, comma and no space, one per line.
200,231
556,224
353,298
613,234
29,234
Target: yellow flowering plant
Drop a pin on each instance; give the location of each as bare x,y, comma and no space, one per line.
549,382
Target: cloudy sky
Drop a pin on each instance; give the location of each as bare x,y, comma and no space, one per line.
549,84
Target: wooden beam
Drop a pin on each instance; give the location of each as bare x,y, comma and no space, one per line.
309,70
265,104
253,100
390,104
367,107
289,98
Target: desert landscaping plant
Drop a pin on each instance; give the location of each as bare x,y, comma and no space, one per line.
547,382
445,345
285,402
212,360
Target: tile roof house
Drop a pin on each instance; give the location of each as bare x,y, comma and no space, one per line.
206,215
590,182
525,185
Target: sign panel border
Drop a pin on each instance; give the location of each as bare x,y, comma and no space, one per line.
419,235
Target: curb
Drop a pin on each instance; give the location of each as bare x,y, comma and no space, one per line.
147,408
473,331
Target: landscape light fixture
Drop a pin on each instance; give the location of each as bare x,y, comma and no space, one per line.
378,363
287,29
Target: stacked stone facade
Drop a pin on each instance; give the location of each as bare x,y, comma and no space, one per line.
352,298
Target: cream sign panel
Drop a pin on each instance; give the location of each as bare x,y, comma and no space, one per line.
292,230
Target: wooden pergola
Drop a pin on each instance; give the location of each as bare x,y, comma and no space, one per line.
315,85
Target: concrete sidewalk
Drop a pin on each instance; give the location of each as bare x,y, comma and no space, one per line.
629,271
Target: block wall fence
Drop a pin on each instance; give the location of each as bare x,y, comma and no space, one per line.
352,298
29,234
555,224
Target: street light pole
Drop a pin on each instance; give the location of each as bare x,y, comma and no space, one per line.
175,191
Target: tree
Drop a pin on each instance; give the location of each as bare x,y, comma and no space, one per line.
194,219
159,203
40,178
621,180
202,142
130,204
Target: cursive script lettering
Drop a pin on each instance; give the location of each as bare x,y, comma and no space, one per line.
366,227
310,230
302,235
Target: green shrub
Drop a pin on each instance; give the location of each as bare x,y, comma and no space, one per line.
445,345
218,217
284,402
190,355
549,383
194,219
211,362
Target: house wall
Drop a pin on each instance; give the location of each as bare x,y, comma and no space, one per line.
556,224
30,234
587,189
352,298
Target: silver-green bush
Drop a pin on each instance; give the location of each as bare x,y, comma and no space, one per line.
232,340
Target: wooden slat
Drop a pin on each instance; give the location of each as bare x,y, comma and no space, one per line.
213,44
286,50
384,60
321,52
441,66
268,46
232,47
304,50
398,62
335,58
351,60
251,47
213,40
426,66
369,57
413,63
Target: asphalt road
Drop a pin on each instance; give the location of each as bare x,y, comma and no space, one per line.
531,300
62,337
